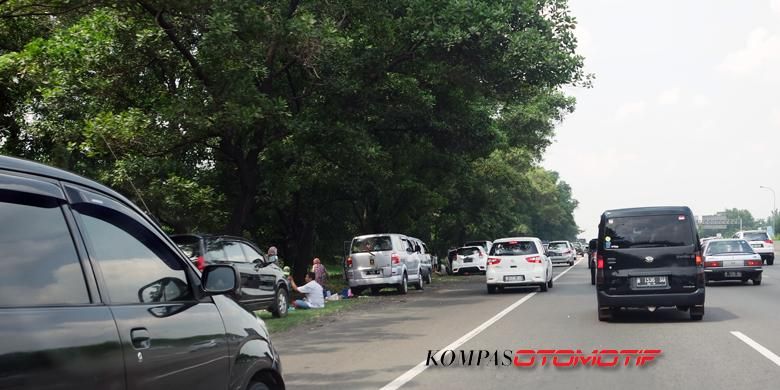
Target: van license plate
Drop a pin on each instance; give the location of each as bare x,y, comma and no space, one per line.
651,282
733,274
514,278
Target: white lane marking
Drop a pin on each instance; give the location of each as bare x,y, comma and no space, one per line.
420,367
758,347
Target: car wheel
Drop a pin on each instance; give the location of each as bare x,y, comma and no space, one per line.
429,277
550,283
491,289
757,282
605,313
356,290
258,386
543,287
420,282
697,312
279,309
770,261
592,276
375,290
403,288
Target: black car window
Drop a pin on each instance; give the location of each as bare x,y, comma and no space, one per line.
372,244
234,252
648,231
728,247
39,264
755,236
137,266
514,248
251,253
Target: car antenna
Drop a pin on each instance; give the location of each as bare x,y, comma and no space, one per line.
138,193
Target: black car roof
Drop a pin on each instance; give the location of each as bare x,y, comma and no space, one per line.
31,167
636,211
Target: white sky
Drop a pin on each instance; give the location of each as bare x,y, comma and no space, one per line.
685,108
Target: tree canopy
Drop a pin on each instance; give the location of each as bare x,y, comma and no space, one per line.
301,123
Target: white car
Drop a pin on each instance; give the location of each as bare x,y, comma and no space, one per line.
561,252
761,243
520,262
470,259
731,259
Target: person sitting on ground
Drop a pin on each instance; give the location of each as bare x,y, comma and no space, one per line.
314,297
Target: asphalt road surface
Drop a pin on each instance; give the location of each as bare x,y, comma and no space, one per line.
386,345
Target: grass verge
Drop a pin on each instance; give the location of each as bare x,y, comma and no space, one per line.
300,317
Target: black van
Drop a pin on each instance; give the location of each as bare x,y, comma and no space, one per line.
649,257
93,295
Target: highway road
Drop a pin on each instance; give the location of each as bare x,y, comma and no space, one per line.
386,345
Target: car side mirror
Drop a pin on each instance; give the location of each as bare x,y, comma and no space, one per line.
220,279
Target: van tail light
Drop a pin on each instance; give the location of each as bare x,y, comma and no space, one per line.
713,264
599,269
768,241
493,261
698,259
753,263
349,262
534,259
200,263
395,258
599,261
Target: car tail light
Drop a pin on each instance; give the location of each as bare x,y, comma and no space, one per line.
713,264
349,262
200,263
395,258
599,261
534,259
493,261
768,241
753,263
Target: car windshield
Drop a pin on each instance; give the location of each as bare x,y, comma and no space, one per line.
558,246
372,244
728,247
648,231
514,248
755,236
470,251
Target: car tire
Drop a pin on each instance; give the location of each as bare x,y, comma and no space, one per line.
605,313
403,288
592,276
543,287
770,261
281,303
697,312
257,386
356,290
757,282
491,289
375,290
429,277
420,282
550,283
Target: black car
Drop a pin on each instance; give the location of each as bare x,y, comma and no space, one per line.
649,257
592,245
93,295
263,284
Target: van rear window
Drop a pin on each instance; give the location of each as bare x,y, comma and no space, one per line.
648,231
372,244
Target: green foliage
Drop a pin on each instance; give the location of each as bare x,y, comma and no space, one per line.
301,124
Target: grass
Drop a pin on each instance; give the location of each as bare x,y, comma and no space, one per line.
300,317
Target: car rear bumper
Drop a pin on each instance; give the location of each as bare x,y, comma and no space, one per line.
469,268
561,259
376,282
531,277
642,300
720,273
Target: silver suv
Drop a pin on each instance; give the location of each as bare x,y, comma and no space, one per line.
376,261
761,243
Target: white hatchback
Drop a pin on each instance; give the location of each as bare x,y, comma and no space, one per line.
520,262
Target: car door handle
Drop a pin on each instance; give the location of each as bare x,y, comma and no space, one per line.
141,338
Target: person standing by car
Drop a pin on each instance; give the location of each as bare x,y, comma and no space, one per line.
313,290
320,273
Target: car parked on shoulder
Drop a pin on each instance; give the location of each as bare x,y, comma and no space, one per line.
731,259
426,259
518,262
377,261
761,243
485,244
561,252
649,257
263,283
94,295
470,259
